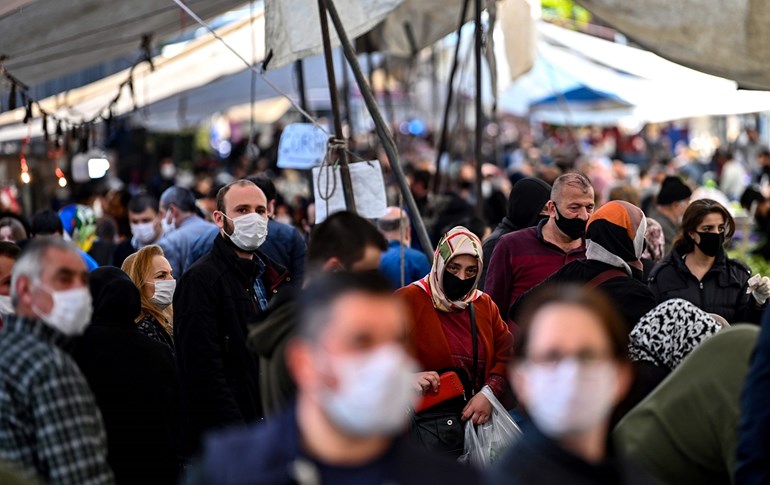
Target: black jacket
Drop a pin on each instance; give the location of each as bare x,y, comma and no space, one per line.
490,242
135,383
272,454
213,305
722,290
630,296
536,459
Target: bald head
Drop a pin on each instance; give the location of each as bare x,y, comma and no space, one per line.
390,225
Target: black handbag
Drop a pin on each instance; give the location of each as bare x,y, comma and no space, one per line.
441,428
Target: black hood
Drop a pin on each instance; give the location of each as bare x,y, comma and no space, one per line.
115,297
527,199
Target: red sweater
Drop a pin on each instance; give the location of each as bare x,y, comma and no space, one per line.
522,260
432,349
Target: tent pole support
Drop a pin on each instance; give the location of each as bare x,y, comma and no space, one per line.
347,184
382,129
479,114
441,146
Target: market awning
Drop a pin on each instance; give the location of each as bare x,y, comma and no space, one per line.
46,39
727,38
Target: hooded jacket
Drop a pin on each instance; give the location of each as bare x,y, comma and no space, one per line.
214,303
134,381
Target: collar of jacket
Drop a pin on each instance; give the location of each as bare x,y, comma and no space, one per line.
273,276
719,268
507,226
34,326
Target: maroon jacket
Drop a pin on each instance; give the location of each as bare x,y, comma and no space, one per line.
522,260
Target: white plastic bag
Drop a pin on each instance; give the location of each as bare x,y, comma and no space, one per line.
487,442
500,432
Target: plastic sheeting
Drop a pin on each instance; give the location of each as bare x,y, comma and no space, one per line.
727,38
46,39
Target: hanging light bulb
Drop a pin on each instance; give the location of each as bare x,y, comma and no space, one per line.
25,178
62,182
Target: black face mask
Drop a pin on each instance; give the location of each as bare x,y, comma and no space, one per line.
572,228
455,288
710,243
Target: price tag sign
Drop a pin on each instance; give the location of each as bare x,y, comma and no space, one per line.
302,146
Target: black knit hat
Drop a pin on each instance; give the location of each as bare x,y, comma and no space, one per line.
673,190
526,200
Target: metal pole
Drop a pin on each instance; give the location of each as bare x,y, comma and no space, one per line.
300,73
442,139
347,184
346,94
382,128
479,115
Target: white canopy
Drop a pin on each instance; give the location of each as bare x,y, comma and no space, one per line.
623,84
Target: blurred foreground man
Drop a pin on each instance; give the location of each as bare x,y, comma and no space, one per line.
50,426
355,388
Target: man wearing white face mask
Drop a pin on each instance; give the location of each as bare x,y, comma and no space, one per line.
354,382
52,427
9,253
226,290
571,369
145,227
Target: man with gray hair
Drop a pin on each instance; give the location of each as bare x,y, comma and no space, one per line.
394,225
182,228
51,426
525,258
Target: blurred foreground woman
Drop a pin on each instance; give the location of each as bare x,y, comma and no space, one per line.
571,369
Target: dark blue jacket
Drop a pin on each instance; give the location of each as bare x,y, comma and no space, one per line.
285,246
270,453
753,461
416,265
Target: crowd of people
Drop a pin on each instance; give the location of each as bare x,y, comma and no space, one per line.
215,336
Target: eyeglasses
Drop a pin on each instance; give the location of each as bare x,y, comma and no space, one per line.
584,357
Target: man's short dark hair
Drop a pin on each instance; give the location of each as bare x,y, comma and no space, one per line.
9,250
422,177
264,183
224,190
142,202
343,235
317,299
46,223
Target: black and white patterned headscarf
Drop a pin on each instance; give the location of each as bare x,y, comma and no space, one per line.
669,332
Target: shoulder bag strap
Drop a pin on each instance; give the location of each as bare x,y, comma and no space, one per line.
475,338
604,277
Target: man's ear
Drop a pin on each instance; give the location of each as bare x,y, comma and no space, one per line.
219,219
271,208
23,290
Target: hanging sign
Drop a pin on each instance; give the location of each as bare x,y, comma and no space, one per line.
302,146
368,190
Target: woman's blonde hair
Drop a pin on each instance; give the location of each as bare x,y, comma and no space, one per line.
138,267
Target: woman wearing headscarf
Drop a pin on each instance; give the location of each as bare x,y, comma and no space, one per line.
660,342
135,383
656,245
614,244
526,207
445,306
151,272
698,269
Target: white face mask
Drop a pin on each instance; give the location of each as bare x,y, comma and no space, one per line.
164,293
71,311
250,231
6,308
144,233
374,392
168,226
570,397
